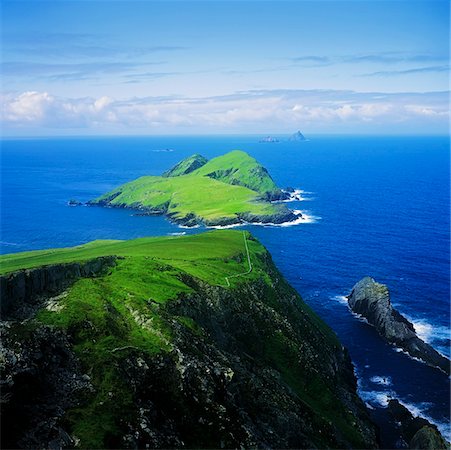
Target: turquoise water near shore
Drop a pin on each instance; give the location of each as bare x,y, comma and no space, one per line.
379,206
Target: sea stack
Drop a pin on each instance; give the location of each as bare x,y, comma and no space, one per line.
297,137
372,300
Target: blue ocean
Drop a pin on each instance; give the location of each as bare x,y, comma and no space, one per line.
377,206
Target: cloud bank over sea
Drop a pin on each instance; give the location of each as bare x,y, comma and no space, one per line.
334,110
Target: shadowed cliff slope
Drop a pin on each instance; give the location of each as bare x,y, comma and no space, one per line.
160,350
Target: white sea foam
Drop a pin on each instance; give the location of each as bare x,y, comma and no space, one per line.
302,217
177,234
298,195
401,350
383,381
421,409
340,299
377,398
359,317
185,226
429,332
8,243
374,399
224,227
438,336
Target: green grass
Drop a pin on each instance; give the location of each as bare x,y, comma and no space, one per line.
208,256
222,188
108,318
111,316
186,166
237,167
114,317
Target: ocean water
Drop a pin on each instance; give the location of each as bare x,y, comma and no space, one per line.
378,206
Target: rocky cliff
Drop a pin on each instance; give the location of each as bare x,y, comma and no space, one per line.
372,301
113,361
21,292
417,433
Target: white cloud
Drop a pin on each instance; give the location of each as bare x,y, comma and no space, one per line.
427,111
102,103
29,106
242,112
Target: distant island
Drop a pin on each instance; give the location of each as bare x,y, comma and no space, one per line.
269,139
231,189
297,137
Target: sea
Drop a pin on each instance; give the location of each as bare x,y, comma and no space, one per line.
374,205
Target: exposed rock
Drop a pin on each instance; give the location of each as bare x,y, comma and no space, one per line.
417,432
218,387
40,379
282,217
22,292
372,301
428,438
251,370
74,202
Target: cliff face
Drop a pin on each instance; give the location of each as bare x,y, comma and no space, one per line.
20,291
248,365
372,301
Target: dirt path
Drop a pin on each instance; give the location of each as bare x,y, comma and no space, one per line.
248,260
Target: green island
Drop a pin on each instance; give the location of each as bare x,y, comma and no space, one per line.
230,189
180,341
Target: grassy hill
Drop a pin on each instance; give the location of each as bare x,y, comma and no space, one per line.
186,166
238,168
188,341
213,253
229,189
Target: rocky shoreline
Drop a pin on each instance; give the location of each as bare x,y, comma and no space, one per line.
416,432
21,292
372,301
192,221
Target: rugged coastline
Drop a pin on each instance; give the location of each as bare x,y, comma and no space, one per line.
416,432
159,351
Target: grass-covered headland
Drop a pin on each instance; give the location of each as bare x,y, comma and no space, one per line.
187,341
232,188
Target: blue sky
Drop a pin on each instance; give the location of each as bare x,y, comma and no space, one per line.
176,67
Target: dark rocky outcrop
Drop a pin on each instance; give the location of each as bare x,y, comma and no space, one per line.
74,202
372,301
40,378
418,433
283,216
238,376
21,292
